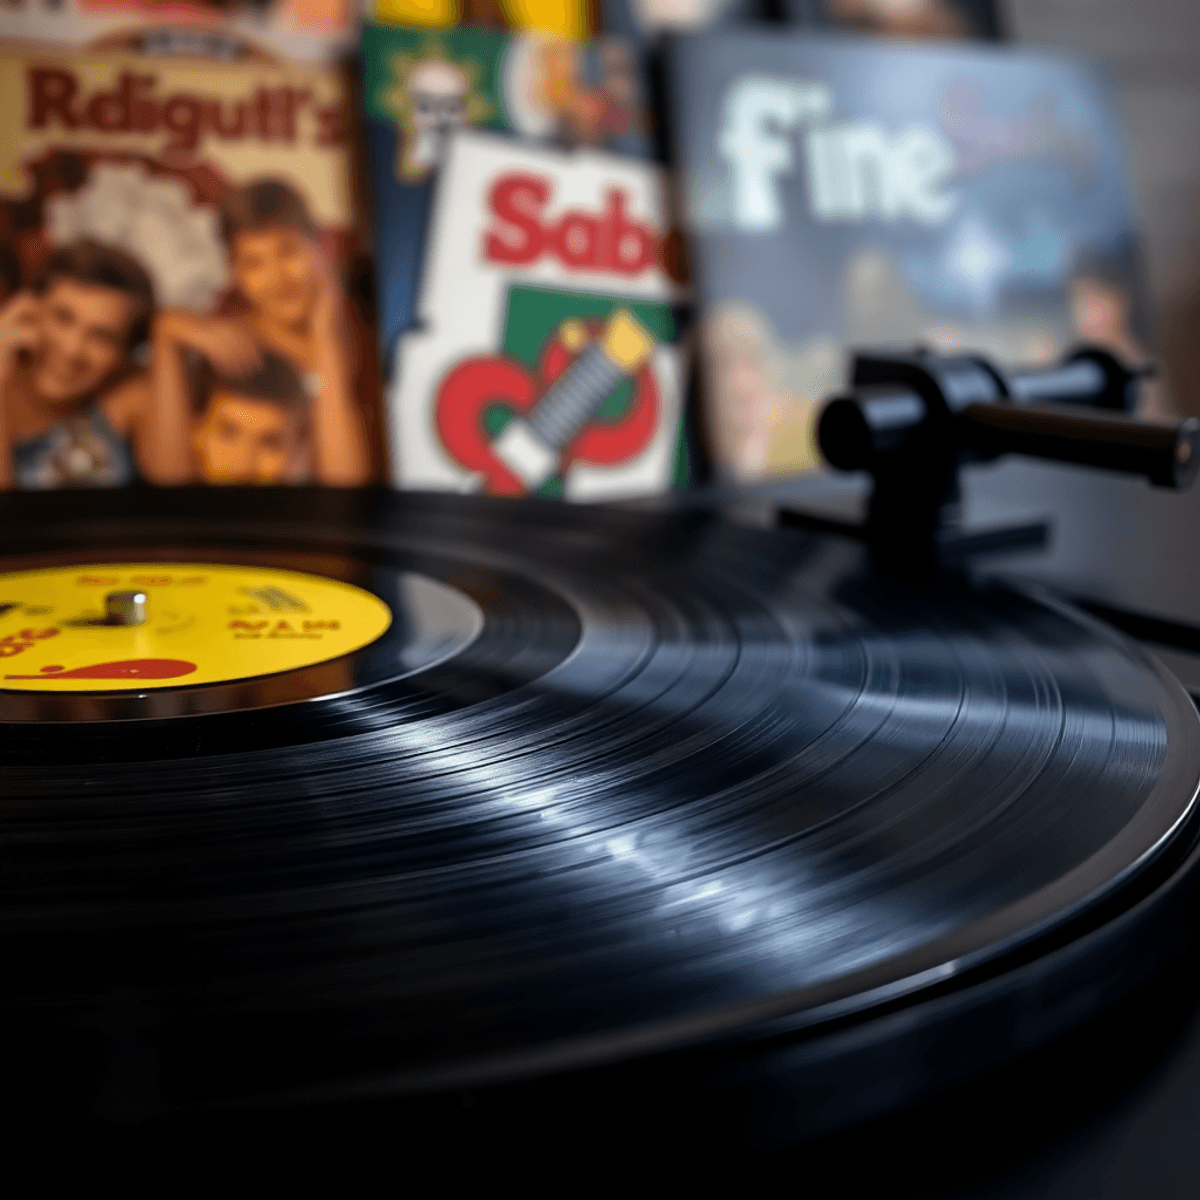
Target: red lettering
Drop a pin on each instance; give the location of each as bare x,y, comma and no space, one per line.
630,244
249,625
184,117
292,100
576,240
272,114
17,643
262,113
518,201
29,635
230,129
331,126
143,109
310,625
269,114
113,111
612,241
51,93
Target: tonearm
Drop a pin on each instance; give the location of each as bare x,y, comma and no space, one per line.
911,420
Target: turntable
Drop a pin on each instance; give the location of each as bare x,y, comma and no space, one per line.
509,816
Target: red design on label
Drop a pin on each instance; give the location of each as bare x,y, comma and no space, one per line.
127,668
15,643
610,241
477,383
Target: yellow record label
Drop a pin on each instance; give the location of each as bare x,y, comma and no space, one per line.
129,627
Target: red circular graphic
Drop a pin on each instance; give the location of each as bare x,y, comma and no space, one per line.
475,384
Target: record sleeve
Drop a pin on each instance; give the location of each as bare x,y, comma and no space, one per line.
547,360
196,221
423,84
313,31
949,19
565,18
844,193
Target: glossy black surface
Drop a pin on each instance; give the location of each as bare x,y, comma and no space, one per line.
693,785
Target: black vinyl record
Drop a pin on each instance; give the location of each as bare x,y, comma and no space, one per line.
717,806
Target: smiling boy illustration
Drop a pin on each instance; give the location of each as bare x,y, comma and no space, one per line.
75,408
251,428
294,309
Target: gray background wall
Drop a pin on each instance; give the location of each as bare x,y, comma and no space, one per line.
1151,49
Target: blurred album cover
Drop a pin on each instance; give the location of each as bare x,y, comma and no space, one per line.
176,244
901,18
846,193
646,21
422,85
546,362
231,30
567,18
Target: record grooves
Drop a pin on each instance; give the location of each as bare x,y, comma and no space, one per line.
716,807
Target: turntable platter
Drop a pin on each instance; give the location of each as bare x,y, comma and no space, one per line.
687,786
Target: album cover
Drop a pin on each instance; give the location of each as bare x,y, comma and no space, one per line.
846,193
421,85
568,18
180,273
647,21
901,18
547,360
233,30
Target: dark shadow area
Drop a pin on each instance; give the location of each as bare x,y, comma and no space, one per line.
1104,1112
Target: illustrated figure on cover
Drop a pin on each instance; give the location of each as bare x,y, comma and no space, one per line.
291,313
74,408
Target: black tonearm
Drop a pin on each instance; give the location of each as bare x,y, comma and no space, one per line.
911,420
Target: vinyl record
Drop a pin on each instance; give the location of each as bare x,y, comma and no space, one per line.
610,790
